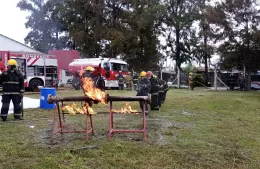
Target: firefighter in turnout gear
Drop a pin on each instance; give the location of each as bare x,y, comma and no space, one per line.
135,79
12,88
163,89
128,80
191,81
154,91
143,88
98,80
121,80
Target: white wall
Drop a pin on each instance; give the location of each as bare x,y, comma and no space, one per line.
7,44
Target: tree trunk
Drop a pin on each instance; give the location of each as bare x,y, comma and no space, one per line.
248,80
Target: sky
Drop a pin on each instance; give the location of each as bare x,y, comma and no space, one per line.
12,20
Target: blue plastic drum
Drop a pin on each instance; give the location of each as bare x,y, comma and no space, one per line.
44,96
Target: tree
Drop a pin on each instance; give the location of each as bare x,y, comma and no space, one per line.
241,47
45,30
180,15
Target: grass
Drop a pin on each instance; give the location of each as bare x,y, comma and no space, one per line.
193,129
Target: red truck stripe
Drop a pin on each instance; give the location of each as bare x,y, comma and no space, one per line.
35,60
28,59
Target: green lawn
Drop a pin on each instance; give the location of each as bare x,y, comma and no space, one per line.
194,129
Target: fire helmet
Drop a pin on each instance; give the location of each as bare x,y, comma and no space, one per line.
11,62
149,74
142,74
90,68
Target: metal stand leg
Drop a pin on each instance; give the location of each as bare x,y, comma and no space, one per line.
110,121
87,126
61,130
144,121
111,124
53,123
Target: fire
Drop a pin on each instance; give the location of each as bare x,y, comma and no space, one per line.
92,92
73,109
96,94
126,109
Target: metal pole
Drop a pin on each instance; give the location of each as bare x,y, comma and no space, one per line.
179,78
44,71
215,77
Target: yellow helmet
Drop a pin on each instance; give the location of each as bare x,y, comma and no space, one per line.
11,62
142,74
90,68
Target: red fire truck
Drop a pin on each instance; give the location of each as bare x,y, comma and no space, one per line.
108,68
38,69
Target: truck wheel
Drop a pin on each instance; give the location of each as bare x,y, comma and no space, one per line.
34,85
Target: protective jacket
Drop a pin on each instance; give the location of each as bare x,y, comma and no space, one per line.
135,79
12,83
120,79
143,87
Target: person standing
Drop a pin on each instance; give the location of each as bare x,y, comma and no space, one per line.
154,91
128,80
163,89
135,79
12,88
143,88
191,81
242,82
121,80
232,81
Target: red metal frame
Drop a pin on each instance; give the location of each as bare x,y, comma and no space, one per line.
111,124
60,127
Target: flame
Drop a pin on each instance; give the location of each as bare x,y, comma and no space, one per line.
126,109
73,109
81,73
93,92
96,94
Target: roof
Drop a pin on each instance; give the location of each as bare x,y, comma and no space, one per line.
8,44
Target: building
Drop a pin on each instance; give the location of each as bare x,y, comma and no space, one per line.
8,44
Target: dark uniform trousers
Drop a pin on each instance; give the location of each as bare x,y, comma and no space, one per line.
120,79
161,95
16,99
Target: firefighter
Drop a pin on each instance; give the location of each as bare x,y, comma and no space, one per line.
154,91
121,80
135,79
99,82
88,72
163,89
143,88
128,80
232,81
191,81
12,88
241,81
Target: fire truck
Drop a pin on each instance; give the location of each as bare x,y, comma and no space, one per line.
38,69
107,68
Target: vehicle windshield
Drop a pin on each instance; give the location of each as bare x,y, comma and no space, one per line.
118,66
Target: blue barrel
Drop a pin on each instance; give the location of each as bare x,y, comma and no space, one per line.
44,96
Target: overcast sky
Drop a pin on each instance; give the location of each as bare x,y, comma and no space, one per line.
12,20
